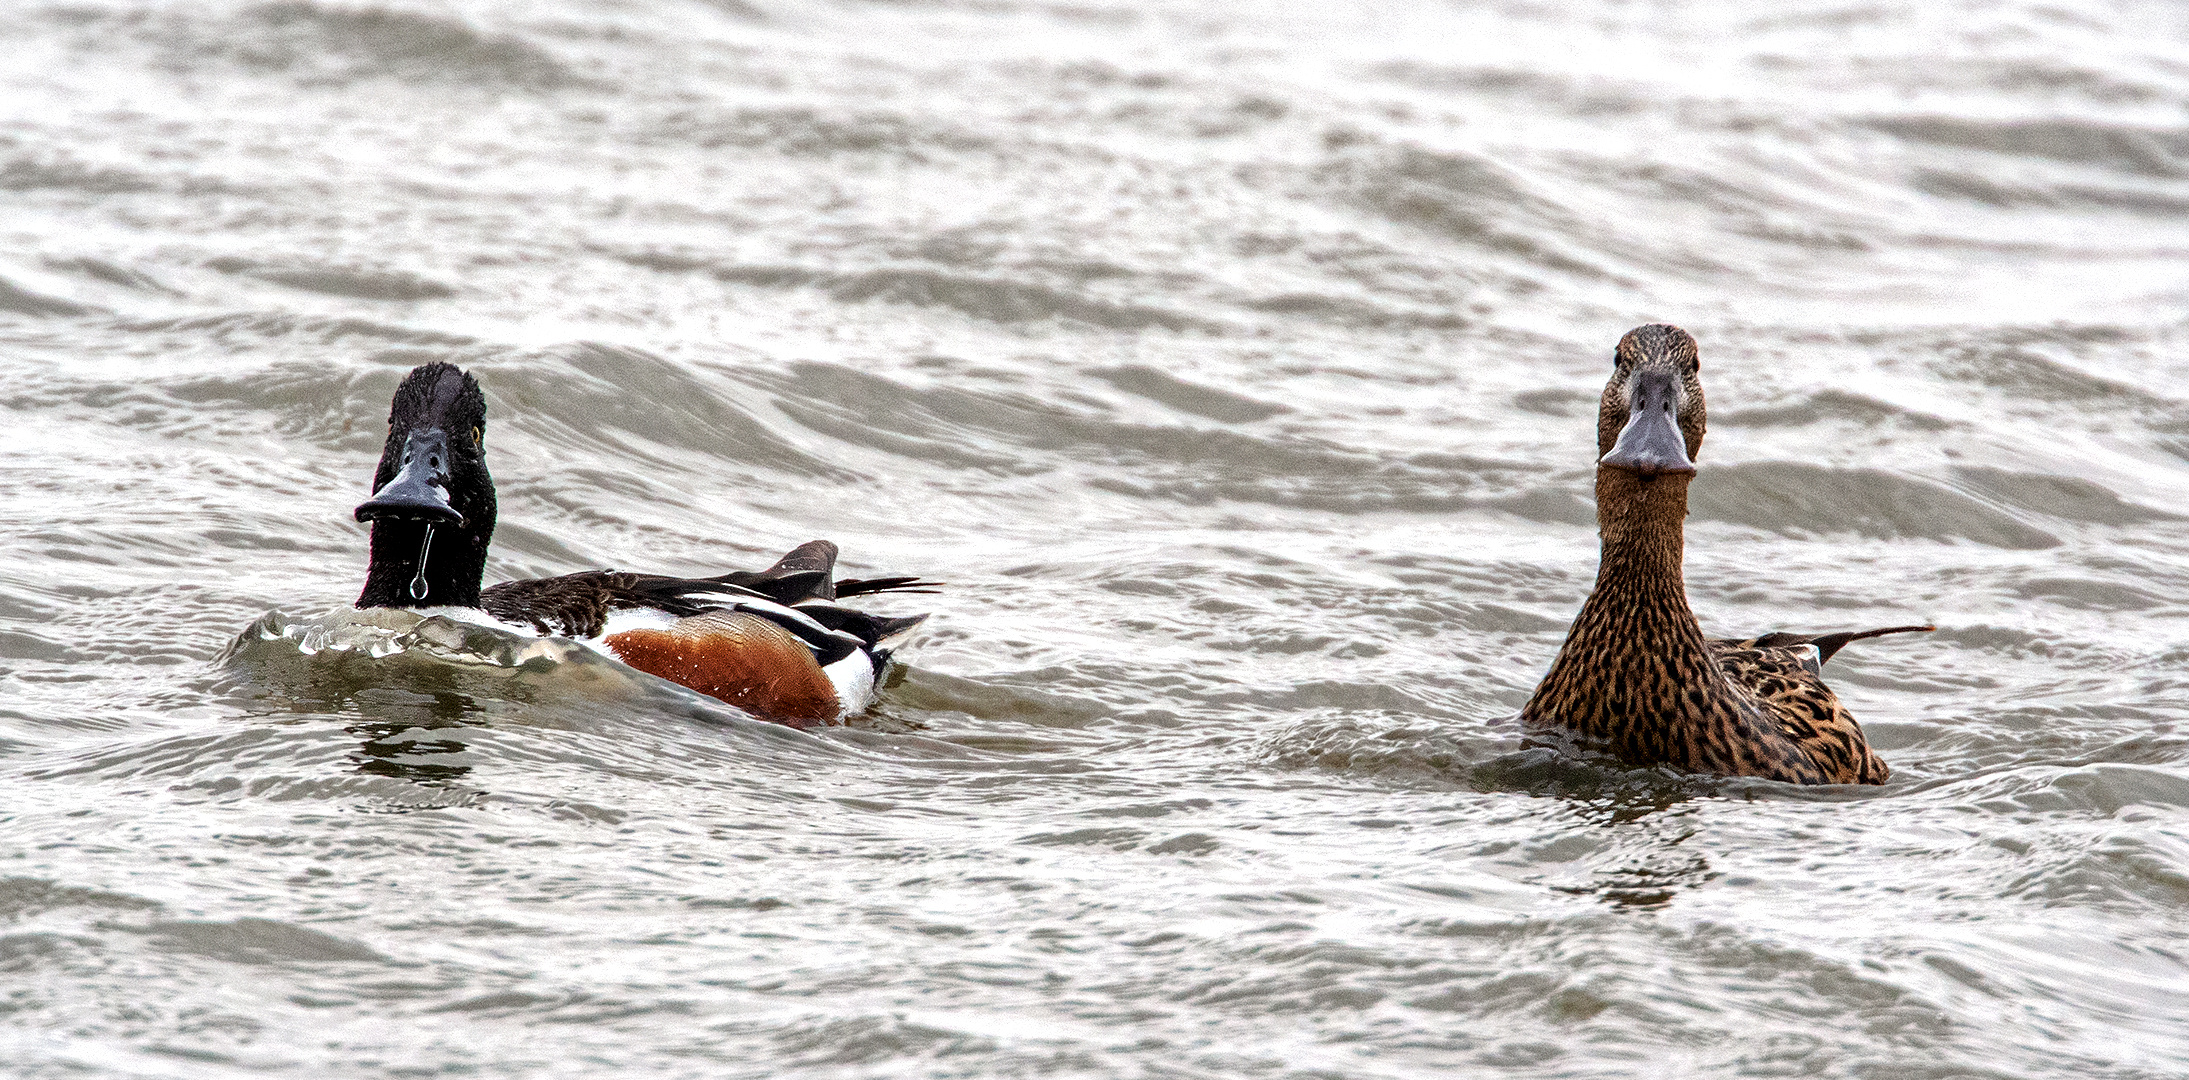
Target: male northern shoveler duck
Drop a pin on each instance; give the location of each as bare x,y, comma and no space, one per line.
1636,676
773,642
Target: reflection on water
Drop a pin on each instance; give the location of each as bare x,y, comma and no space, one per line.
1237,366
1645,887
407,751
1648,865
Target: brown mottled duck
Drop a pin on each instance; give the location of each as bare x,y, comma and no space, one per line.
1636,677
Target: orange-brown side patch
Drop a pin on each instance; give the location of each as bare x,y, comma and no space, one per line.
740,658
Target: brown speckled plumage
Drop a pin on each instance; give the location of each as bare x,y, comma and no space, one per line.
1636,677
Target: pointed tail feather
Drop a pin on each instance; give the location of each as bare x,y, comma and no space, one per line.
863,586
889,633
1827,644
880,632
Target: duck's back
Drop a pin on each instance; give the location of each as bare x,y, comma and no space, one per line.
1787,685
772,642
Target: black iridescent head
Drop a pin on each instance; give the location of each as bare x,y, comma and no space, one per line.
432,504
1652,418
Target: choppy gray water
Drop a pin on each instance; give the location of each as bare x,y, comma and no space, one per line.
1235,364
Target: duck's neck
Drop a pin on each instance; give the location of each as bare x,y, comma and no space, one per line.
1634,670
1639,586
455,562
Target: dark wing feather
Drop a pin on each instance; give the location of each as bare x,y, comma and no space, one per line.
813,556
791,588
806,574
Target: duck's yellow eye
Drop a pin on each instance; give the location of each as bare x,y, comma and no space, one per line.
478,436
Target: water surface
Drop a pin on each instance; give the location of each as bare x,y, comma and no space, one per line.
1236,365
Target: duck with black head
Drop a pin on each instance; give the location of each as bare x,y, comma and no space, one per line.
777,642
1636,677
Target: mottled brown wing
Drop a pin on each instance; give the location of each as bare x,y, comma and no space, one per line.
1786,683
578,605
574,604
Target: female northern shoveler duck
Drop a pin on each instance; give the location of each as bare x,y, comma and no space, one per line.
773,642
1636,676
